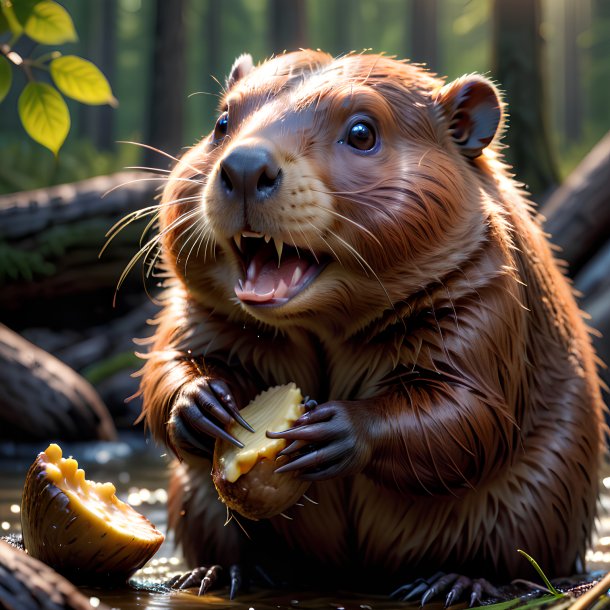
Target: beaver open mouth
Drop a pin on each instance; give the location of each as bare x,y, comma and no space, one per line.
274,272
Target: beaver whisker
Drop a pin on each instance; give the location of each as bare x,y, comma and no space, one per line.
309,247
293,242
190,228
137,214
356,224
365,265
204,232
134,259
153,170
161,152
198,235
145,249
326,242
151,179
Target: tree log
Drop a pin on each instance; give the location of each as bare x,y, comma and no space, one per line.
578,212
50,242
41,398
29,584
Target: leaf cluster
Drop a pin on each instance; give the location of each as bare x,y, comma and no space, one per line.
42,108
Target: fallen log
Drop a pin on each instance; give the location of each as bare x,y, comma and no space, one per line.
578,212
51,239
41,398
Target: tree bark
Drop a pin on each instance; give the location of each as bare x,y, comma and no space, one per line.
168,83
518,67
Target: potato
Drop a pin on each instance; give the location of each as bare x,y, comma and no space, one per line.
79,527
245,478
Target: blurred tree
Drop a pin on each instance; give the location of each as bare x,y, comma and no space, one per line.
600,66
168,82
573,103
424,39
97,122
340,11
519,69
288,25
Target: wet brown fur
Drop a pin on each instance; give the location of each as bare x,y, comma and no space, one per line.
444,321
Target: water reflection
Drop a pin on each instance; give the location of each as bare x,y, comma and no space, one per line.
139,471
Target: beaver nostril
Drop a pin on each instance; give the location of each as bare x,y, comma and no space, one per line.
267,183
225,180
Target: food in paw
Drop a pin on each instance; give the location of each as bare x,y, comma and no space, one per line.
245,478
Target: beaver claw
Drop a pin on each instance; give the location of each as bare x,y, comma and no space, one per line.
324,443
440,582
205,577
190,423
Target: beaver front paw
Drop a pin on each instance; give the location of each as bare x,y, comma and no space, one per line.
198,414
330,440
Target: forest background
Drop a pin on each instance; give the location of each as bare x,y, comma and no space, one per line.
165,59
166,62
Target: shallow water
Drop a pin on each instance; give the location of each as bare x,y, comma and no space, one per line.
139,472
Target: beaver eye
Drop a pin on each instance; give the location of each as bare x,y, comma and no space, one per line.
222,124
362,136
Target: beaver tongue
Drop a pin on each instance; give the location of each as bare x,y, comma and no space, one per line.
266,282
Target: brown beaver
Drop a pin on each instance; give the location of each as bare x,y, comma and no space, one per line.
348,225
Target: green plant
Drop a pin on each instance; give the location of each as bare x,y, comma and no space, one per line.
42,108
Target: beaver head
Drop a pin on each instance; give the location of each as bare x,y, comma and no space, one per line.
330,189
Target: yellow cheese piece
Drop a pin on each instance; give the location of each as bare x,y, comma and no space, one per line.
275,409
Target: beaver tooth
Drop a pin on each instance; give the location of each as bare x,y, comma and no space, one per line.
279,246
237,240
267,238
296,276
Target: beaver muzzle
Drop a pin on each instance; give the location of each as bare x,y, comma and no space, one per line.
273,272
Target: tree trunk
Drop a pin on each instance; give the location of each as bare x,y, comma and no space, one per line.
168,84
573,89
288,21
519,69
97,122
424,38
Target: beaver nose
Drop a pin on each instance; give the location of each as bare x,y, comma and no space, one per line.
250,173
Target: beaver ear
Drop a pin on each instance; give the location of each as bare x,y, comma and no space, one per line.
474,110
242,65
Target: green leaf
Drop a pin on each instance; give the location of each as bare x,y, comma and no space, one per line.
50,23
81,80
44,115
6,77
542,575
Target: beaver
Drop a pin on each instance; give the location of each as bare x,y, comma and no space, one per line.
349,225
